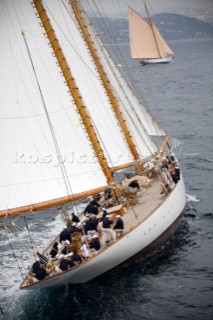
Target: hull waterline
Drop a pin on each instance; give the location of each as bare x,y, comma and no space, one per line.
156,61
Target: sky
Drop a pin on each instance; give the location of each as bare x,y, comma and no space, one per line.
119,7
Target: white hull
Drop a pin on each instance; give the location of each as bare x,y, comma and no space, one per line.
156,61
157,224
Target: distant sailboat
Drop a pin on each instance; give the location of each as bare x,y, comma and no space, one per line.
146,42
69,122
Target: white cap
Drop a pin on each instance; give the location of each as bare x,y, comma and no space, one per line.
61,256
67,241
95,236
118,216
65,227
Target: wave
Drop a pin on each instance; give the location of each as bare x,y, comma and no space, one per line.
191,198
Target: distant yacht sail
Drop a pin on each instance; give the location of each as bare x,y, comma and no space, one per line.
146,42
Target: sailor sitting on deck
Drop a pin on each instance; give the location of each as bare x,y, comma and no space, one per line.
65,249
75,218
90,227
64,264
73,228
64,235
134,186
119,225
54,250
41,273
92,207
76,258
107,231
36,265
95,243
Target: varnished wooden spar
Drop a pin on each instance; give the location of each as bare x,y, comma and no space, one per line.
123,166
48,204
164,144
106,83
75,92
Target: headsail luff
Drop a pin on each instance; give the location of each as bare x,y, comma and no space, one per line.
106,82
75,92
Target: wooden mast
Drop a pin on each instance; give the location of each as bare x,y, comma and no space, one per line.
75,92
151,25
84,28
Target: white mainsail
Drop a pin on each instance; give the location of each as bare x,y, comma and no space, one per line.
146,42
29,164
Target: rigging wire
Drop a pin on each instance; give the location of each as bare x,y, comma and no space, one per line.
6,233
29,233
58,152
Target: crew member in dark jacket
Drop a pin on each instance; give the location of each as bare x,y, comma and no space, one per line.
54,250
65,235
91,225
41,273
95,243
92,207
65,263
75,218
75,258
36,266
119,223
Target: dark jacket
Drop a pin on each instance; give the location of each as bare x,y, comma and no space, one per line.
91,224
35,266
91,209
75,218
64,264
106,223
76,258
41,274
54,250
119,224
65,235
95,244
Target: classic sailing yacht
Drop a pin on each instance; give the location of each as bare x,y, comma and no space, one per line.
69,123
146,42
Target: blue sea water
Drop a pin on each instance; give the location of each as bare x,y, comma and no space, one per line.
176,282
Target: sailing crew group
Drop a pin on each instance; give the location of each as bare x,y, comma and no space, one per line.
93,232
